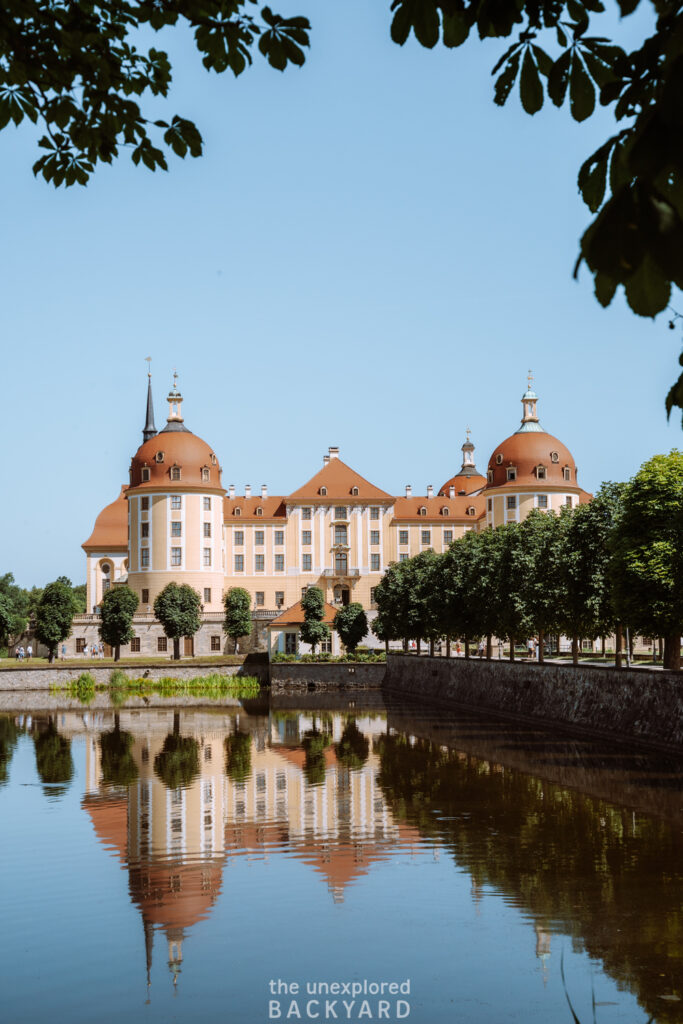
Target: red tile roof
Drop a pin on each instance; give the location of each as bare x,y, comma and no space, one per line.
271,508
294,616
409,509
339,479
111,527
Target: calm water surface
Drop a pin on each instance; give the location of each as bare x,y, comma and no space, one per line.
165,865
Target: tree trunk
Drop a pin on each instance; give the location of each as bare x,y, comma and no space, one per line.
541,636
176,650
660,645
467,649
448,647
512,648
575,650
618,644
431,648
405,645
672,651
631,642
604,652
489,646
117,652
386,646
51,655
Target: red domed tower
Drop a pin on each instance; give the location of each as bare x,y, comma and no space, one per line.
530,469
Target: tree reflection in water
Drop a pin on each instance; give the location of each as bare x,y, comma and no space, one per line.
53,759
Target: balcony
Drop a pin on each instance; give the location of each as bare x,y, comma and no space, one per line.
340,573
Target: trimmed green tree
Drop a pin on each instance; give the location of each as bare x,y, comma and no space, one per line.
237,622
511,615
54,615
313,630
539,562
6,616
117,610
647,553
351,623
177,607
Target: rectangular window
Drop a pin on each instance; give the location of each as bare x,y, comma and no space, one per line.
279,563
340,562
306,538
567,473
540,472
106,584
326,645
511,473
144,504
162,643
206,502
206,475
374,536
279,538
215,643
340,512
511,501
207,556
145,475
176,556
259,563
144,558
135,645
239,563
340,535
374,513
306,563
542,500
207,595
489,504
258,538
239,538
372,594
303,591
425,536
207,529
279,598
144,529
176,501
403,536
260,598
305,513
374,563
145,595
176,529
290,643
448,536
80,644
175,472
403,557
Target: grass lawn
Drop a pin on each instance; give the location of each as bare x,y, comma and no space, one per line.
84,663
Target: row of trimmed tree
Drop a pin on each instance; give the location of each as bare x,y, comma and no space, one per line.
591,571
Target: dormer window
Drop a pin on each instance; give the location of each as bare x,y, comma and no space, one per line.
423,511
175,472
554,457
206,475
323,491
512,472
471,511
145,474
354,492
259,511
159,456
445,511
214,460
499,459
541,473
489,476
567,473
238,511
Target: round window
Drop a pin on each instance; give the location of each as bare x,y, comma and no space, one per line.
106,569
499,458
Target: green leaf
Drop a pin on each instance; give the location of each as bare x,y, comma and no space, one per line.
543,60
558,78
426,23
456,29
506,56
605,288
530,87
581,91
505,81
647,291
593,177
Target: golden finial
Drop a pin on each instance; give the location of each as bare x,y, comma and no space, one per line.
467,434
148,360
530,379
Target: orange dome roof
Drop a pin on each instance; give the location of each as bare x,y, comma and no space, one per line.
465,482
526,452
172,450
111,527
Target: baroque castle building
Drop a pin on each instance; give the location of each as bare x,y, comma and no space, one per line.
175,521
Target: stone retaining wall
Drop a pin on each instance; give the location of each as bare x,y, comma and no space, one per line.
293,677
621,704
43,678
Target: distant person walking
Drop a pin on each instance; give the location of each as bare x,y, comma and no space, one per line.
480,649
63,652
29,652
85,650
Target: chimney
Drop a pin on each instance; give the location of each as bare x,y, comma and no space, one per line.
451,492
409,491
430,491
326,460
247,490
264,491
231,491
334,453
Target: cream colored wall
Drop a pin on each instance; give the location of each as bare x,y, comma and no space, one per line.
95,577
527,499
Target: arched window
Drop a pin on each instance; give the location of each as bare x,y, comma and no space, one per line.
206,474
541,473
554,457
354,492
259,511
471,511
238,511
567,473
445,511
213,459
323,491
489,476
423,511
175,472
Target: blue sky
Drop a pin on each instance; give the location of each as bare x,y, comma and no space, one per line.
370,254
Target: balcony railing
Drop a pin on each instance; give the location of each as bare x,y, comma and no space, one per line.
341,572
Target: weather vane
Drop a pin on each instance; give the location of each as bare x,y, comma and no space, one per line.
467,433
530,378
148,360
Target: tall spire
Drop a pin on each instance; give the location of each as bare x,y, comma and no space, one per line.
530,422
468,467
150,430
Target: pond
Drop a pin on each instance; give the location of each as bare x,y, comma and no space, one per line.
316,858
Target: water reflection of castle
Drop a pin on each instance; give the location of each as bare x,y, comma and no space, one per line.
291,789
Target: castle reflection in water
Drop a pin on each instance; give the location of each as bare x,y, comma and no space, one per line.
302,785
